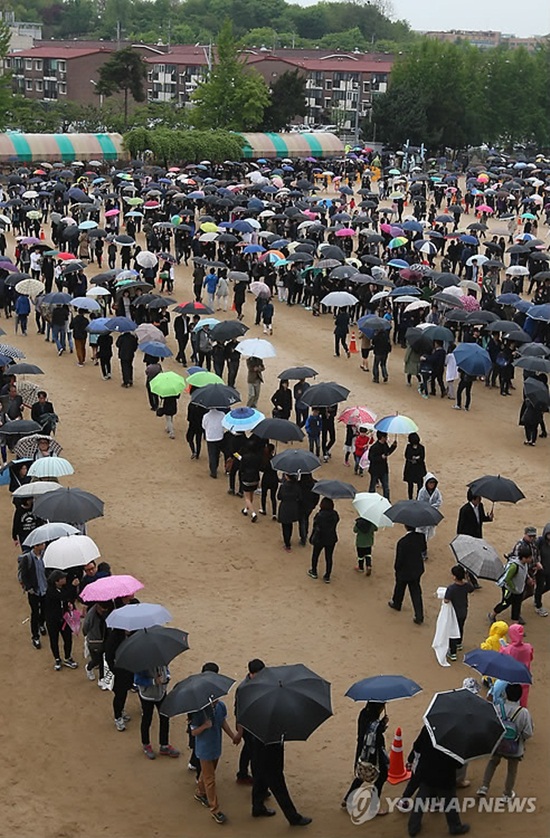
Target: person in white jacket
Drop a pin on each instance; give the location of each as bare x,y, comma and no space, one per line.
429,493
451,372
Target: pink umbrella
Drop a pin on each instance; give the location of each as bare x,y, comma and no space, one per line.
260,289
357,416
470,303
484,208
110,587
345,231
112,212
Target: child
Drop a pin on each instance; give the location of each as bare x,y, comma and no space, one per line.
522,652
313,431
267,317
349,444
361,446
429,493
497,637
457,595
364,540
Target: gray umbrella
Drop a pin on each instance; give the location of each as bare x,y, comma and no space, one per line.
296,462
477,556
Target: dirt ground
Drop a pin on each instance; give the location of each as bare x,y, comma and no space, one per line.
67,772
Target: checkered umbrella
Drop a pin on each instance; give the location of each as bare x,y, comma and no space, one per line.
28,446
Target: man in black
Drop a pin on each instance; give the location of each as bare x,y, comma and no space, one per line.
43,412
24,521
409,567
438,368
267,763
436,772
378,463
127,343
32,577
471,518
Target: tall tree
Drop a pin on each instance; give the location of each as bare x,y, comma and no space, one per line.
124,72
288,99
233,96
5,80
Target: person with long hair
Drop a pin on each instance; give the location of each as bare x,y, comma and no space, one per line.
324,537
371,747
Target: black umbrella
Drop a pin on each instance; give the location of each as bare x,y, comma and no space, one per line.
343,272
534,391
456,315
332,251
193,308
439,333
228,330
517,336
295,373
496,488
151,647
325,394
503,326
295,462
216,396
529,362
418,341
25,369
283,703
414,513
534,350
448,299
281,430
21,427
481,317
68,505
334,489
463,725
160,302
196,692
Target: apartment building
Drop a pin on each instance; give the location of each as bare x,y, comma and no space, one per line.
487,39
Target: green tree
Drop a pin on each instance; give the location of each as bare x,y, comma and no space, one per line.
124,72
288,99
170,147
234,96
5,80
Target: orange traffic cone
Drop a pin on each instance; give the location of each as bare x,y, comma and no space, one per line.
42,235
353,344
397,773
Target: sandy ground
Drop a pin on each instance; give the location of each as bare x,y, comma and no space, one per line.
66,771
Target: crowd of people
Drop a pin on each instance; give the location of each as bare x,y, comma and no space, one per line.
454,330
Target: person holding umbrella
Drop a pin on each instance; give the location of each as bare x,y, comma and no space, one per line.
372,723
58,600
255,368
127,344
414,470
457,594
378,463
471,517
289,497
341,329
324,537
409,567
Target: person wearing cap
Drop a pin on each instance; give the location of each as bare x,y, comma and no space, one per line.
512,583
378,463
535,569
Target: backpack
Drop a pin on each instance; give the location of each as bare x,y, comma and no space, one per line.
510,742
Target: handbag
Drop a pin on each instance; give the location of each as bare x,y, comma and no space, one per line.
72,619
367,772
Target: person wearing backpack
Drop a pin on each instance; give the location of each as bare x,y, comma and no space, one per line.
512,583
518,728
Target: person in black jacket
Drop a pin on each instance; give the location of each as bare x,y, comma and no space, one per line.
58,600
78,326
127,343
371,720
472,516
181,333
43,412
438,368
32,578
378,463
308,501
341,329
123,679
409,567
24,521
104,354
282,401
436,773
289,496
324,537
415,464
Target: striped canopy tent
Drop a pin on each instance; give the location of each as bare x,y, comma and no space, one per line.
53,148
292,145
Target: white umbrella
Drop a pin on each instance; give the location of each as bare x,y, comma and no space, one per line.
33,490
98,291
146,259
414,306
339,299
139,615
51,467
405,298
30,287
478,259
372,506
517,270
379,296
70,551
49,532
256,348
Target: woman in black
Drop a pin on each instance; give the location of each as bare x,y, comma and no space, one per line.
324,537
415,464
270,481
289,496
239,294
194,433
371,726
250,459
282,401
123,679
58,600
104,354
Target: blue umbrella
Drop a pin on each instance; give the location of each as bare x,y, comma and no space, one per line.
383,688
58,298
465,239
398,263
497,665
206,321
121,324
156,349
405,290
412,226
541,312
242,226
242,419
86,303
98,326
509,299
472,359
254,248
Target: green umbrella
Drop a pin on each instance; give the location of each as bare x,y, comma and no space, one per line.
134,202
201,379
167,384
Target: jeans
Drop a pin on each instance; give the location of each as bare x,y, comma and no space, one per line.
206,784
329,552
380,365
54,630
21,320
147,708
445,796
301,416
512,765
214,450
328,436
384,480
36,603
415,592
105,366
59,337
194,439
315,445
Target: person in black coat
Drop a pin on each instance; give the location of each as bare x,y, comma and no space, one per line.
43,412
289,496
472,516
436,773
415,464
104,354
324,537
127,343
181,333
341,329
409,567
371,719
282,401
378,463
58,600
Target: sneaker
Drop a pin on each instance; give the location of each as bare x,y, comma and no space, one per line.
149,753
43,631
119,724
542,612
288,549
126,717
262,511
359,569
312,574
459,647
102,684
254,518
482,791
90,674
456,407
506,798
451,656
191,767
57,665
368,570
244,511
201,798
169,751
326,580
70,663
36,643
244,781
273,517
219,817
491,618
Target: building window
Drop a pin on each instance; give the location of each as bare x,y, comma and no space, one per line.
62,66
28,84
328,84
28,63
7,63
39,86
62,88
38,65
